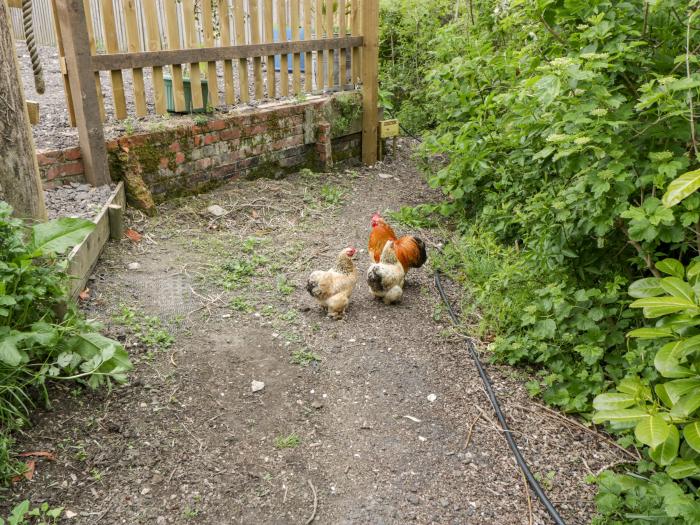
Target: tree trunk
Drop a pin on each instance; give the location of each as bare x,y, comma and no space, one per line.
20,184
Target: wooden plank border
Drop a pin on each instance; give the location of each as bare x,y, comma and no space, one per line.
116,61
83,258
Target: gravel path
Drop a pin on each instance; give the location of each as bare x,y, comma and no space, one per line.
76,200
345,418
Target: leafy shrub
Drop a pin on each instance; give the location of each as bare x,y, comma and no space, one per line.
562,123
42,337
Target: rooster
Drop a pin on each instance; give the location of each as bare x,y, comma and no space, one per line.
386,278
410,250
333,288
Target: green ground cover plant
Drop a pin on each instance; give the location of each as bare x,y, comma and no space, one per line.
566,134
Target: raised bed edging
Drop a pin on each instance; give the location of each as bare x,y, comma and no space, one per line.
83,258
182,157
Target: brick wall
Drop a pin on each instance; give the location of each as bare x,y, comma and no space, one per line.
261,142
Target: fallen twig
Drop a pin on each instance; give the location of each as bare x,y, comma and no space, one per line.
529,499
313,512
469,434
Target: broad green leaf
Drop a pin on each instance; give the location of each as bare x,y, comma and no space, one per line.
683,468
687,405
662,394
631,385
547,89
679,387
671,267
649,287
678,288
658,306
59,235
9,353
666,362
693,269
650,333
652,430
621,415
688,346
667,451
613,401
691,433
682,187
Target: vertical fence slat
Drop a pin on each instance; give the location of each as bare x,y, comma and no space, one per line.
308,77
269,37
318,34
282,36
296,58
342,32
61,60
331,52
192,42
370,96
91,38
112,46
153,43
255,39
239,15
225,40
178,89
355,28
133,45
207,16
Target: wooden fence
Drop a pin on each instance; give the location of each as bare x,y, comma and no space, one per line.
224,48
44,33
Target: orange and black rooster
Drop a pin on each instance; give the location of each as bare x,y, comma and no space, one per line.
410,250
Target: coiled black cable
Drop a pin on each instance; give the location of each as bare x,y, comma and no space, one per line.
499,414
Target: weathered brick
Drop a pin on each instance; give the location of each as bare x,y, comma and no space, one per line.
174,147
211,138
179,157
216,125
230,134
203,164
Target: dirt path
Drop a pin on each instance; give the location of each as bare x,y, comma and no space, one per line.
187,441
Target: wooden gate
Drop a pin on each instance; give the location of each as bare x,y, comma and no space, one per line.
200,54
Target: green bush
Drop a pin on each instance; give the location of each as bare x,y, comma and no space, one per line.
562,123
38,341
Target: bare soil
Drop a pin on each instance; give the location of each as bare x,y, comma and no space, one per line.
187,441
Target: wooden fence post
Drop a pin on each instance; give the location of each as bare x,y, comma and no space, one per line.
82,80
19,172
370,90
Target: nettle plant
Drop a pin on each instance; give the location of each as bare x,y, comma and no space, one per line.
42,336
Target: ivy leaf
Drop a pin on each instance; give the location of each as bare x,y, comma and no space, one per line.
691,433
671,267
666,452
652,431
682,187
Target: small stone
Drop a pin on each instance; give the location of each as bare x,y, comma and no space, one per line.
432,397
157,478
145,490
133,266
255,386
412,498
385,175
216,210
69,514
317,404
444,503
160,520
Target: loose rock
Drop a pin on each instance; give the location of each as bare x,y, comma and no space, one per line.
256,386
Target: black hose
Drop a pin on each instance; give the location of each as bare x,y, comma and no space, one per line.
499,414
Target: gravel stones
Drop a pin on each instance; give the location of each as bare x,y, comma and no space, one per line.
76,200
